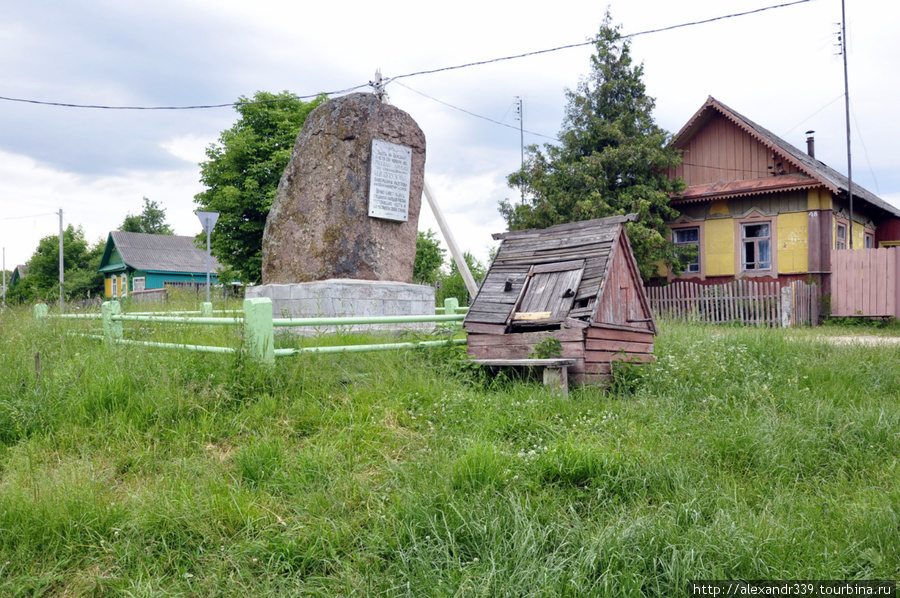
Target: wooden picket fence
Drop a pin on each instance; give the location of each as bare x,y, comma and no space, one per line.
744,301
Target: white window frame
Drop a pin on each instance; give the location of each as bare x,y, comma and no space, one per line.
139,283
742,225
115,286
123,286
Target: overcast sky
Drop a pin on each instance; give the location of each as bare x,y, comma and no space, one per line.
777,67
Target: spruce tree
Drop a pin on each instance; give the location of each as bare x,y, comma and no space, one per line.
612,159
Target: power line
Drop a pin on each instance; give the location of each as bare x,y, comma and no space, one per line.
414,74
785,134
196,107
731,16
588,43
27,217
491,120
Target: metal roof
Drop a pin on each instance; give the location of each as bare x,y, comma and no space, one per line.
746,187
159,253
821,172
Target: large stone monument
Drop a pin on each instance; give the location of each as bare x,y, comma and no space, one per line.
348,203
340,239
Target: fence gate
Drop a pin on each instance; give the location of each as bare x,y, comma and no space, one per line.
865,282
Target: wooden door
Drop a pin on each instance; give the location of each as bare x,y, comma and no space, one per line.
548,294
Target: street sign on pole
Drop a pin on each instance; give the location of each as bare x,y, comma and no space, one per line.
208,220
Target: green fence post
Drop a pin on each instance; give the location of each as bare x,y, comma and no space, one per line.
112,329
260,333
40,311
451,306
206,310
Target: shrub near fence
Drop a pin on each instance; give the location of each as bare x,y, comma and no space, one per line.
743,301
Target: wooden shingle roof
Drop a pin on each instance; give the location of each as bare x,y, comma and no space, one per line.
555,251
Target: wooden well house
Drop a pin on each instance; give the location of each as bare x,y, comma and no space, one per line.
577,283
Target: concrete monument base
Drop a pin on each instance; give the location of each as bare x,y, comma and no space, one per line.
336,298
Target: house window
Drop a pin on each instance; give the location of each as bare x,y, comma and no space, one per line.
870,240
756,244
840,241
115,286
124,285
138,283
689,237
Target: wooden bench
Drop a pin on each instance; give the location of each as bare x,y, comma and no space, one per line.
556,371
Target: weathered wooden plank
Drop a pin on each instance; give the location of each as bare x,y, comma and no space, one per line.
597,368
523,351
477,328
595,332
542,363
495,298
484,307
559,267
486,317
532,338
530,316
607,357
579,325
613,346
627,328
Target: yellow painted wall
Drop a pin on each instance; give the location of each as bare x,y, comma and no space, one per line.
719,251
793,245
859,236
820,199
108,285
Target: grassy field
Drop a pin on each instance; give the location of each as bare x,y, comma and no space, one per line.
740,454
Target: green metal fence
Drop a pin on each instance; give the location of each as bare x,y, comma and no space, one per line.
258,325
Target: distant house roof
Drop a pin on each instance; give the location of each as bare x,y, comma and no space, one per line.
155,253
18,274
818,172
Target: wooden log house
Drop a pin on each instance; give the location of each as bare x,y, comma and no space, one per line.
577,283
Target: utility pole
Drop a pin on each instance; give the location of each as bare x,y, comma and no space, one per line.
521,142
61,274
847,117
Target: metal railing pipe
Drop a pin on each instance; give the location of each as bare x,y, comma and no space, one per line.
367,348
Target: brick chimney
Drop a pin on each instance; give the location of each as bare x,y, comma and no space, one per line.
811,144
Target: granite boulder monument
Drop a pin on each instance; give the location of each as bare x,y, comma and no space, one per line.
340,238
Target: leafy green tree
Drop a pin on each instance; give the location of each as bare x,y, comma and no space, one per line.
80,263
151,220
429,258
612,159
452,283
242,175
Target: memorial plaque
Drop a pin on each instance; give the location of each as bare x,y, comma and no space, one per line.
389,181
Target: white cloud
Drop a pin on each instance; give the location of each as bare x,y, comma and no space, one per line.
190,148
34,193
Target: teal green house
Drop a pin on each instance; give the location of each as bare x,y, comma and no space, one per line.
135,262
18,274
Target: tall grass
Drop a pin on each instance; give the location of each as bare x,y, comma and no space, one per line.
741,453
